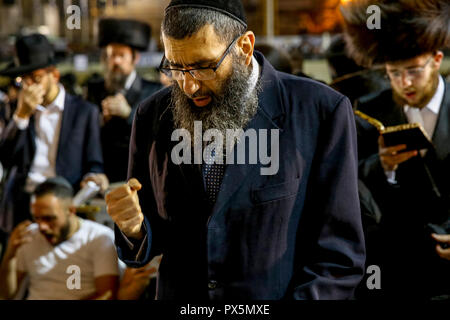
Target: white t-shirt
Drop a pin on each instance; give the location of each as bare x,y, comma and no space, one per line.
52,270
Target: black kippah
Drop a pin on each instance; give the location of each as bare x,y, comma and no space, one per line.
232,8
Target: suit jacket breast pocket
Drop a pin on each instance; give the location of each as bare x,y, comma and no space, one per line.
276,191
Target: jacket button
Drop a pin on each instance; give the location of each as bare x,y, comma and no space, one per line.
212,284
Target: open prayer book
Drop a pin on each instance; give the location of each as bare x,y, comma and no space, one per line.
413,134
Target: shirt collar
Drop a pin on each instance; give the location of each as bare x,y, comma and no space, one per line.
435,103
59,100
131,77
254,76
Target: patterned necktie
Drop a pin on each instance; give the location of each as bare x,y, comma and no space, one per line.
213,174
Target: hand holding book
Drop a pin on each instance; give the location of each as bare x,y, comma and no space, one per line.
412,135
391,157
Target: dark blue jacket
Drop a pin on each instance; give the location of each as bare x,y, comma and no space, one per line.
295,235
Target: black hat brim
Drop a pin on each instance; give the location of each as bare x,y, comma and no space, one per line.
12,70
132,33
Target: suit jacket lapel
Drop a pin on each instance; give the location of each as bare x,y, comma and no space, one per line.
64,135
31,141
270,107
442,132
133,93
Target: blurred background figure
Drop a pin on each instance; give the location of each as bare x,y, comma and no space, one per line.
121,90
278,58
51,132
349,78
8,101
297,61
47,250
69,81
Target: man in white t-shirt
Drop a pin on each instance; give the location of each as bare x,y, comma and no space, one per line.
64,256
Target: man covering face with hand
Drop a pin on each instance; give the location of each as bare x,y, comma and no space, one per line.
51,133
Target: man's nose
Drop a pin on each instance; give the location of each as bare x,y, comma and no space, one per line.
190,85
117,60
406,80
43,227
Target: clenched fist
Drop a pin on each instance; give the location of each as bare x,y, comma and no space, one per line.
123,207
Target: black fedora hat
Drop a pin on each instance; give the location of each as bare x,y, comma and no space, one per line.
129,32
33,52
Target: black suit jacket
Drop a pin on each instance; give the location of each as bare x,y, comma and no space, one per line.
401,241
293,235
79,152
115,134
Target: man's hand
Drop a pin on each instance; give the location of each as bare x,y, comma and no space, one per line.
123,206
105,296
391,157
19,236
116,106
135,281
99,179
28,100
444,239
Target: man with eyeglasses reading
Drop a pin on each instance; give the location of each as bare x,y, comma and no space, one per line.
226,231
411,187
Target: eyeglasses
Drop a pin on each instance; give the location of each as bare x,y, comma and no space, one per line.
202,74
412,73
35,77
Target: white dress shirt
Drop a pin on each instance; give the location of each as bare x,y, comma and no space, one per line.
426,116
130,79
48,127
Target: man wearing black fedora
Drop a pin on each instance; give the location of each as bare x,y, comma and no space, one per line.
52,133
411,187
121,90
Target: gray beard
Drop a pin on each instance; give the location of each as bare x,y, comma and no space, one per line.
232,108
115,81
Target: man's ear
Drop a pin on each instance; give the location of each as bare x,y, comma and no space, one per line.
438,57
137,57
55,74
246,45
72,210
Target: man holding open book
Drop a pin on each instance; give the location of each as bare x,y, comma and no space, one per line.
409,181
